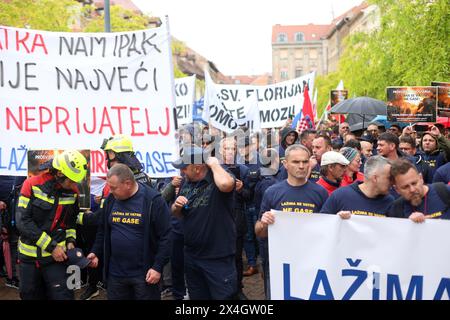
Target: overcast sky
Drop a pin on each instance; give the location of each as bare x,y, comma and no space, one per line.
236,34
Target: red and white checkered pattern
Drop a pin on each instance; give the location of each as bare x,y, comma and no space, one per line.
302,125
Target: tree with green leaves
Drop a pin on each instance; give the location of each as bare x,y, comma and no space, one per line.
69,15
49,15
410,48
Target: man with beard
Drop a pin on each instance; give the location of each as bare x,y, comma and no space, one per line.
418,201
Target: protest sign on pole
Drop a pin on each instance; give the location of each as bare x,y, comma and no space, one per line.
322,257
443,98
276,102
337,96
411,104
71,90
185,96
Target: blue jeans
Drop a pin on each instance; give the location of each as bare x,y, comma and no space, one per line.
211,279
250,239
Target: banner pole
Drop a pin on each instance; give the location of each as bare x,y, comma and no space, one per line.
107,16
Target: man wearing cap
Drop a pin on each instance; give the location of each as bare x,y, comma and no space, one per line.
133,238
332,169
269,168
369,198
418,201
295,194
395,129
250,158
205,205
46,216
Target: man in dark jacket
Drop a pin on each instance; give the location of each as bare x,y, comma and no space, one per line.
408,147
434,147
133,238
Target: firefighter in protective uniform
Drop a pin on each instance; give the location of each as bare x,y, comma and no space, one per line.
46,218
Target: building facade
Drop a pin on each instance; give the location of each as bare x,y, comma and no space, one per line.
297,50
301,49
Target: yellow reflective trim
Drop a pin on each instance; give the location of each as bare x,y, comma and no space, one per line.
23,202
71,233
48,254
67,200
42,195
80,218
27,250
31,251
101,203
44,240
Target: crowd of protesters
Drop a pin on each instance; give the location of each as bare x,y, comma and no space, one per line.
189,234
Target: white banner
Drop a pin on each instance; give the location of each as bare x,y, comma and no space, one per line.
320,256
71,90
185,96
276,102
227,116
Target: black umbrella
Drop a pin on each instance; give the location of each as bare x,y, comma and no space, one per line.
361,105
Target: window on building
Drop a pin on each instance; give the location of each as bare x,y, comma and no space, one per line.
299,37
283,74
298,72
282,37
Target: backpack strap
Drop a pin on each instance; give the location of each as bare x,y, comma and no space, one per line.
442,192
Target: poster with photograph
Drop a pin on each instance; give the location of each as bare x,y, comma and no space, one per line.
411,104
337,96
37,160
443,98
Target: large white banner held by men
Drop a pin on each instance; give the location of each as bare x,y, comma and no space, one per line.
274,103
72,90
319,256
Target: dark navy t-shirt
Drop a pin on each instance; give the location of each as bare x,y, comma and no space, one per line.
351,198
435,161
209,228
127,236
432,206
442,174
307,198
315,173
